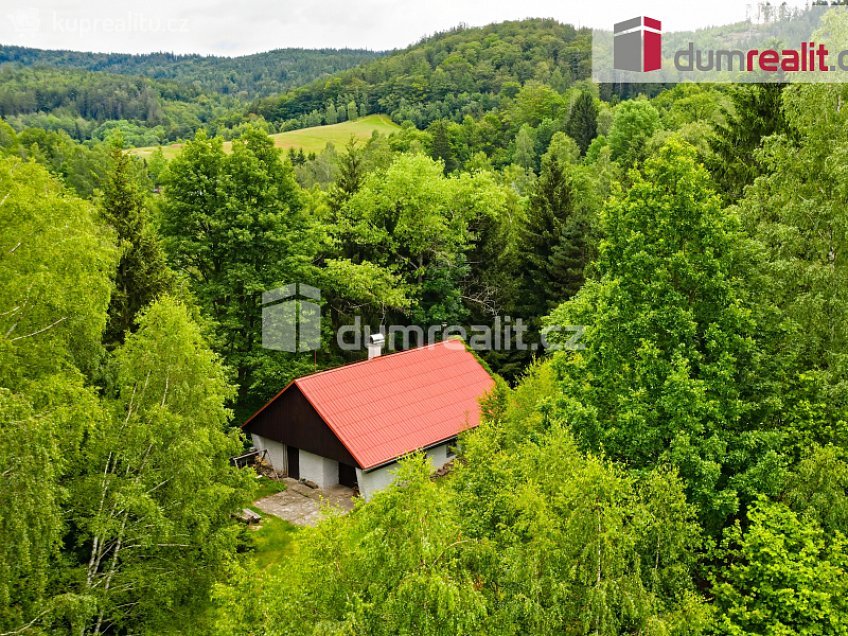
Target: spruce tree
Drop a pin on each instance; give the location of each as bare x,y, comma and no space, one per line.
351,173
441,146
757,113
582,124
142,272
556,242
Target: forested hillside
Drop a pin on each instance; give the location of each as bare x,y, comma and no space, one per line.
684,471
153,98
246,76
467,71
451,75
89,105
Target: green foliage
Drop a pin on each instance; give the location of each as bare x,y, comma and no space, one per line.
582,123
596,553
506,546
8,139
675,368
417,224
273,541
117,506
755,113
365,284
155,493
441,149
248,75
797,211
330,115
465,70
685,473
56,261
391,567
818,488
78,102
142,272
236,225
151,98
81,168
633,125
351,173
785,576
525,148
534,103
43,425
557,240
265,487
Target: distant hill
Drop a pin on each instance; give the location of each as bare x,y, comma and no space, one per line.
247,76
160,98
465,71
89,104
312,139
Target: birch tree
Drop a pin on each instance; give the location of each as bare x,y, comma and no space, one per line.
55,264
155,517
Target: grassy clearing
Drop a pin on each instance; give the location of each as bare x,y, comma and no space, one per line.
272,539
316,138
309,139
273,536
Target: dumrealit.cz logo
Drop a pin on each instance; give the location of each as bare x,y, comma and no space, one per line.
793,45
637,44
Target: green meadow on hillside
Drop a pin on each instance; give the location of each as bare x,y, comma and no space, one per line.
312,139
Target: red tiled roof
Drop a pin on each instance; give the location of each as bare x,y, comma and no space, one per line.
383,408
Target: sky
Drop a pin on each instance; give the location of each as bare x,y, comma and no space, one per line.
239,27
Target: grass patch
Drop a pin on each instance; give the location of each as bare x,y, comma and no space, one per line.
273,536
273,540
312,139
316,138
266,487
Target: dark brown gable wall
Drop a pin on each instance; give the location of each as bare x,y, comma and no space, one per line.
290,419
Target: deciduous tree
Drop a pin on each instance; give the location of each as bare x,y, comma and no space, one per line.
677,366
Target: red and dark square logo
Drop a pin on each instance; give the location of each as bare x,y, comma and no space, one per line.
637,44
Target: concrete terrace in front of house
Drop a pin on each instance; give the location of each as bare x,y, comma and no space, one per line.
304,506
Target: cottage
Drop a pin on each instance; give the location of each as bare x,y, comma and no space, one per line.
350,425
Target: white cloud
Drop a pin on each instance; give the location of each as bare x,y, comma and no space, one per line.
249,26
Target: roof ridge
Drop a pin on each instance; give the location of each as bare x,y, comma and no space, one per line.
372,360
